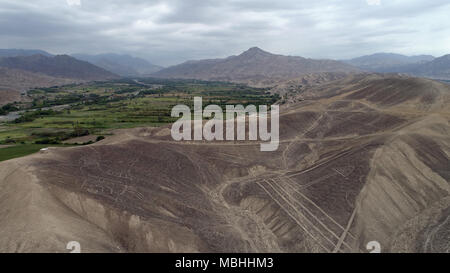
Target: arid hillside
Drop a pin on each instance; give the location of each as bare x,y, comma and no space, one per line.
255,67
20,73
361,159
14,81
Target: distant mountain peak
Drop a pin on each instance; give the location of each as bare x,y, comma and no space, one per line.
253,51
254,66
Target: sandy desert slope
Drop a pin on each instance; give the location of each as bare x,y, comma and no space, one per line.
361,159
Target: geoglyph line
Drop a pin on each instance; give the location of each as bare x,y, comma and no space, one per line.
293,218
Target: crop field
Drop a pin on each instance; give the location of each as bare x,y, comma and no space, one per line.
54,115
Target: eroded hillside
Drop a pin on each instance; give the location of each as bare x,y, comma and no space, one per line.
361,159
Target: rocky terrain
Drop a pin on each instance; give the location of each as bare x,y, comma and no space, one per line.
255,67
295,86
362,158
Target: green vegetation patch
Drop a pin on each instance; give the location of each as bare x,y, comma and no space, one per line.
53,115
22,150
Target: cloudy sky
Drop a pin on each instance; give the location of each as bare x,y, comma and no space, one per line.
171,31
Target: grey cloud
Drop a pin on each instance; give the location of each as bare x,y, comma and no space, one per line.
172,31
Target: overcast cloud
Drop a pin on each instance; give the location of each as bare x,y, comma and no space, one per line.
172,31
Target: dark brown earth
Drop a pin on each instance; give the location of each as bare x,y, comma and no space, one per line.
361,159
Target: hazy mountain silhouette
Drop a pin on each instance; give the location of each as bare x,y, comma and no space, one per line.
439,68
387,62
22,52
254,66
61,66
123,65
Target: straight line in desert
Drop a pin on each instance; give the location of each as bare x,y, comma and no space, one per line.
315,205
309,212
344,234
293,218
302,215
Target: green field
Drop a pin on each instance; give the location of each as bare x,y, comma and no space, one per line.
23,150
53,115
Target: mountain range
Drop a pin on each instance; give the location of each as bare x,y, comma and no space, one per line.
388,62
438,68
421,66
21,70
22,52
61,66
123,65
260,68
255,67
